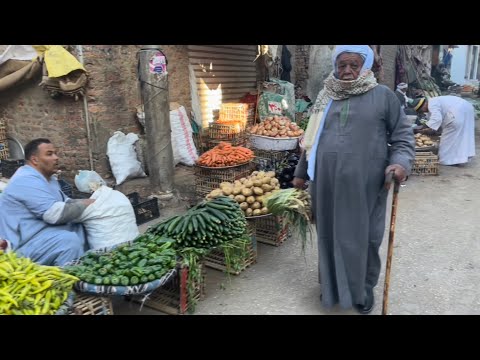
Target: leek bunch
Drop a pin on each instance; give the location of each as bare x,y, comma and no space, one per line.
294,205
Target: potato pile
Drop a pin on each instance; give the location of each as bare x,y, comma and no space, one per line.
423,141
250,192
277,127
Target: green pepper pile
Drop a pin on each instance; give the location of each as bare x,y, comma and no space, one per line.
147,259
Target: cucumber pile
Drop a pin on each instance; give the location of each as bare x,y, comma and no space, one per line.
206,225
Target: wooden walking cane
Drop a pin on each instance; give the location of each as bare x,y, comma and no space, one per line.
388,181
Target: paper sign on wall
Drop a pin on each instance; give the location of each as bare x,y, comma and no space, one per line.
158,64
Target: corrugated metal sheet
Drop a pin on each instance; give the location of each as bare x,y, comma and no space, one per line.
226,70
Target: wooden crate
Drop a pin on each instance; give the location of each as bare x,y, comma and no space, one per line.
216,259
207,180
425,163
85,304
172,298
269,229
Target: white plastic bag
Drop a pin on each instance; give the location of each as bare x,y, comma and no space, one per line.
110,220
184,150
88,181
123,157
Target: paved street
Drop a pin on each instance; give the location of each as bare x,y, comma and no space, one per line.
435,268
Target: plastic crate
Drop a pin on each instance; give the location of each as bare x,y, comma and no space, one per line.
9,166
72,191
145,209
66,187
269,229
215,259
173,298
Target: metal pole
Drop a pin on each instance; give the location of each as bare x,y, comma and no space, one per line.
154,92
85,110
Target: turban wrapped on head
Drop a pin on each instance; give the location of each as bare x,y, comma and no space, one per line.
363,50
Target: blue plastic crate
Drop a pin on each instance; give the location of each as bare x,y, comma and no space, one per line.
66,188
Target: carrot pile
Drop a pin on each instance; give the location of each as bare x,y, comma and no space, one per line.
224,154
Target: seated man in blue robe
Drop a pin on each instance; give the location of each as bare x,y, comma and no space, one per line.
36,216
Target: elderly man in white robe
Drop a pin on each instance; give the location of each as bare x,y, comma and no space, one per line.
456,116
36,216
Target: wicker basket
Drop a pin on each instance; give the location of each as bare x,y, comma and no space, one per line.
232,133
426,163
207,179
91,305
269,230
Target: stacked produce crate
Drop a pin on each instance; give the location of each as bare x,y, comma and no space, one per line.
173,298
91,305
425,163
222,163
230,125
4,153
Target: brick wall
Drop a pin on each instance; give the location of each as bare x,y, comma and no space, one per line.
113,94
300,69
389,54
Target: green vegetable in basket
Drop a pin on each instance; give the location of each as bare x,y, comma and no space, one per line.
294,206
151,277
159,274
124,281
134,280
142,263
98,280
144,279
115,280
103,271
106,280
87,278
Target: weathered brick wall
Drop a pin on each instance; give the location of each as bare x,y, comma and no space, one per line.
300,69
389,54
113,94
31,113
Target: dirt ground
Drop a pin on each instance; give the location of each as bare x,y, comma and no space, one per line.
435,269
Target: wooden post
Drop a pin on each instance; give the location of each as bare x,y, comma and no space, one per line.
154,92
